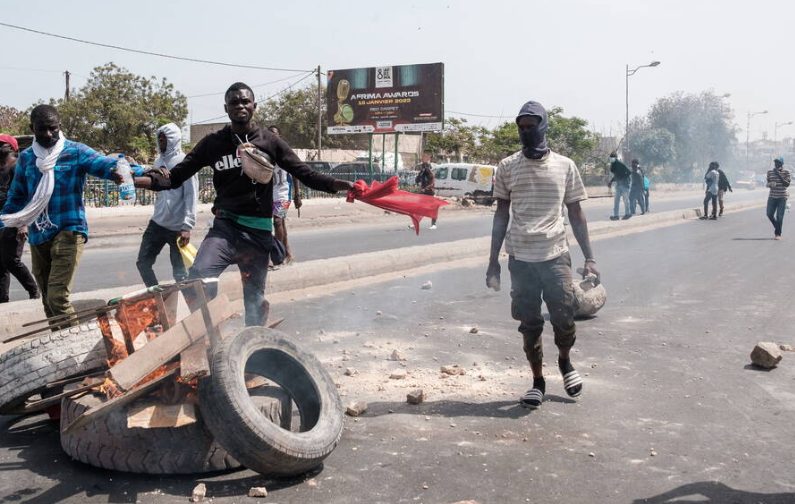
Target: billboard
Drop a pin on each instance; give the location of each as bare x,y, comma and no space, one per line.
386,99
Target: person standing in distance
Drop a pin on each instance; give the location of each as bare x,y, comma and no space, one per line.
285,191
778,180
621,175
531,187
427,181
711,180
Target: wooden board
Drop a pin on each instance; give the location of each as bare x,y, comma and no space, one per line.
168,345
42,404
193,361
116,403
272,325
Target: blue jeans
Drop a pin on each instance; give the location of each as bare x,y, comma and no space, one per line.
775,212
622,193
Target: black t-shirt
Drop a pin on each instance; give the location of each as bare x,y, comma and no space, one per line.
6,175
236,192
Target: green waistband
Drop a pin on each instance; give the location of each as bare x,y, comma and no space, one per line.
262,223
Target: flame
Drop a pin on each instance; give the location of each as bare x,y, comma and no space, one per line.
116,350
135,317
109,388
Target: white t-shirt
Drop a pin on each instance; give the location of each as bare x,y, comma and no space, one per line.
537,190
282,188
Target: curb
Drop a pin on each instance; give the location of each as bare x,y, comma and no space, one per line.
339,269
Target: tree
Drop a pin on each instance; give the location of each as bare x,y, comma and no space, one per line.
570,137
10,119
457,139
656,146
295,113
118,111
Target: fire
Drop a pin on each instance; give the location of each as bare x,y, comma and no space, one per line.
135,317
109,388
117,351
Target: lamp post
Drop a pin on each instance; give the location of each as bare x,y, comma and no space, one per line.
629,74
775,134
748,136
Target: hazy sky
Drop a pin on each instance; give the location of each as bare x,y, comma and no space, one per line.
497,54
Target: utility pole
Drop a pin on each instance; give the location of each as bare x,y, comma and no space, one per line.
66,74
319,114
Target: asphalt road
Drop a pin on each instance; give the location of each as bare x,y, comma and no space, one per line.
113,264
671,411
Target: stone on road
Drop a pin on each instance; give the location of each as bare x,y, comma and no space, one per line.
766,355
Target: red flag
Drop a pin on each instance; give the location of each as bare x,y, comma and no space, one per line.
389,197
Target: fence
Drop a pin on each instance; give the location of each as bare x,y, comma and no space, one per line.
103,193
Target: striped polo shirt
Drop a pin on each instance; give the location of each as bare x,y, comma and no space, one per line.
537,190
778,190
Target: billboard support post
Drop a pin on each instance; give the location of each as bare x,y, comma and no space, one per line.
383,152
397,136
319,114
370,156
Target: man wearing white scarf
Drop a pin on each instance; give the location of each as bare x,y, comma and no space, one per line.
174,215
46,195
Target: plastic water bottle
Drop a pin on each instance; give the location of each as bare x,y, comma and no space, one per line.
127,186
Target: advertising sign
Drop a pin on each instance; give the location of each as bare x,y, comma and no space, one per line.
386,99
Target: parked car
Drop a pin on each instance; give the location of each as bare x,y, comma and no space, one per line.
466,180
321,166
745,179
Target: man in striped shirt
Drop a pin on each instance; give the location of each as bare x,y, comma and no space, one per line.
778,180
531,188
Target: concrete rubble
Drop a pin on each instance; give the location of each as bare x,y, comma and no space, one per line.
766,355
199,492
356,408
453,370
257,492
415,396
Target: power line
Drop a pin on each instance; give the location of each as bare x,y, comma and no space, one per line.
475,115
253,87
264,99
160,55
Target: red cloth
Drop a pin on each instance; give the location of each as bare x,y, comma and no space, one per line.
389,197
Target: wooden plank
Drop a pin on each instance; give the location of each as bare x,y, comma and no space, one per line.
162,314
272,325
193,361
168,345
117,402
51,401
121,316
171,301
72,380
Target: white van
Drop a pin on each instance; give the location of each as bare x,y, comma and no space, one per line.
465,179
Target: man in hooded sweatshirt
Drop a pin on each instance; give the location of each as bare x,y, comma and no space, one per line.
531,188
242,230
175,212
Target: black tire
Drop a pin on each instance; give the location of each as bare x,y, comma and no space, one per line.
108,443
237,424
27,368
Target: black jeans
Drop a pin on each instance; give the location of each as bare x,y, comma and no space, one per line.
154,239
552,280
714,198
11,246
636,199
775,212
230,243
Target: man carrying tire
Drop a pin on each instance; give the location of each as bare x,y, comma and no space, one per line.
242,231
531,187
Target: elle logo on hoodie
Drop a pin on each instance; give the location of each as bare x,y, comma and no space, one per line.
227,162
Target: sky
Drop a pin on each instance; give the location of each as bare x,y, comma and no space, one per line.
497,54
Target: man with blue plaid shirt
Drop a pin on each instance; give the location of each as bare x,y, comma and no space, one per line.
57,228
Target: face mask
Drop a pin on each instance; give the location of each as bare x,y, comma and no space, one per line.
47,143
613,160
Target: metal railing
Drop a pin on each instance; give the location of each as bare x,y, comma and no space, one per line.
103,193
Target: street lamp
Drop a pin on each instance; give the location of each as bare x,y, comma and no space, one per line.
775,134
748,135
628,75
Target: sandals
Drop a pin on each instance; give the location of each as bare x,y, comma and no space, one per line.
572,382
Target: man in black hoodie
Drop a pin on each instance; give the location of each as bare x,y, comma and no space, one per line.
242,230
723,186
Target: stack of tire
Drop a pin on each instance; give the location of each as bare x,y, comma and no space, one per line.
235,426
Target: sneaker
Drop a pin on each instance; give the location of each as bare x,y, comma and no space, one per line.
703,217
433,226
777,237
614,217
626,217
714,217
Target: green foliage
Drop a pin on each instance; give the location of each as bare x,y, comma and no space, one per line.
569,136
118,111
457,138
11,120
295,113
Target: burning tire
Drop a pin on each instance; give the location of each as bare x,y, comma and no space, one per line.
27,368
109,443
243,430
